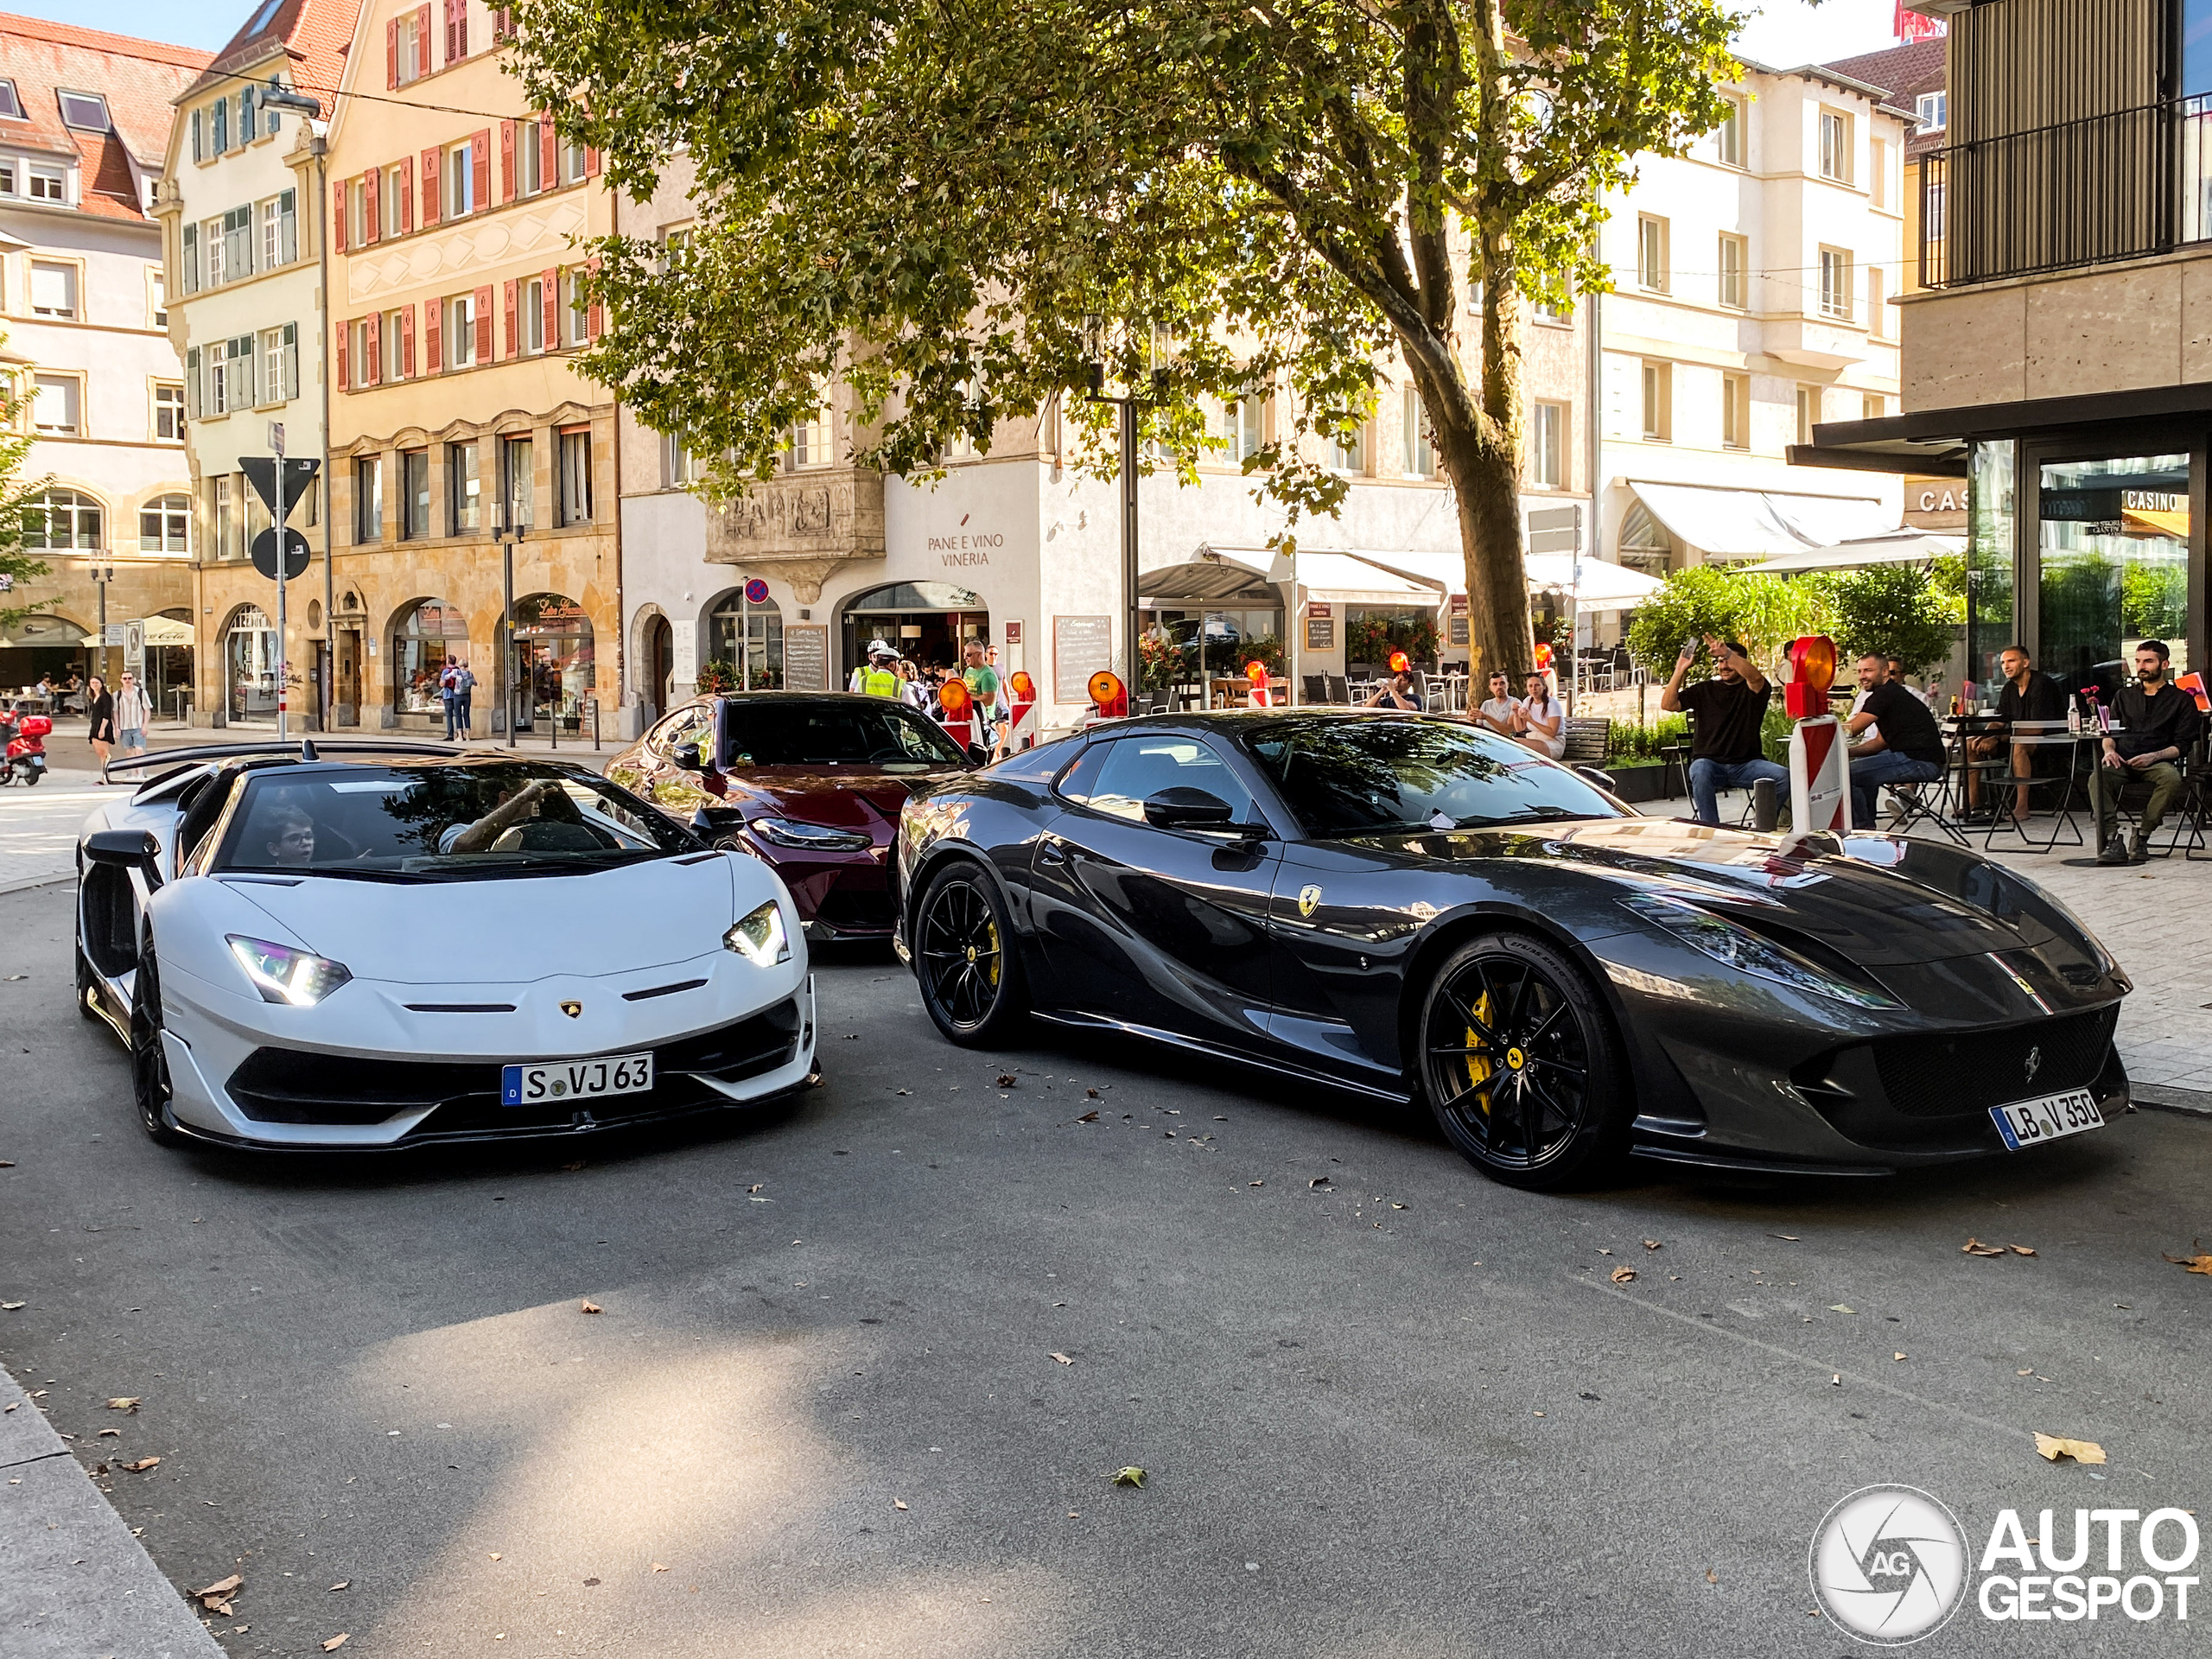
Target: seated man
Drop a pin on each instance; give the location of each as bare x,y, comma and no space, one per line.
1496,713
1396,692
1539,722
2156,722
1725,752
2028,695
1907,749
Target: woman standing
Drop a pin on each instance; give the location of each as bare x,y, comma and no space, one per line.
99,707
133,714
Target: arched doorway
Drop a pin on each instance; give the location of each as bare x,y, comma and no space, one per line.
658,656
424,635
250,655
922,621
750,638
554,675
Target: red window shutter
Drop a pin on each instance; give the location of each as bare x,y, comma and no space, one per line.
430,186
434,356
373,224
510,315
595,323
460,28
407,342
549,152
451,52
338,216
484,323
591,163
551,320
479,165
373,349
390,52
345,335
506,161
406,201
423,38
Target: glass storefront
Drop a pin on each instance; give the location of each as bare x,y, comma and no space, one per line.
2113,540
750,638
1214,641
554,671
431,630
250,665
1991,520
924,621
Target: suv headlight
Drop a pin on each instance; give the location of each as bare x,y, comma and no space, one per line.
810,837
1739,947
284,975
759,938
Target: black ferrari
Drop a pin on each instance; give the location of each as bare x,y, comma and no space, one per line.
1420,911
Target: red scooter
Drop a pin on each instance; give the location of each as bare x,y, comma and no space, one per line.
24,761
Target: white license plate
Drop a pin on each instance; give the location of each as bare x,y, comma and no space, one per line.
544,1081
2027,1122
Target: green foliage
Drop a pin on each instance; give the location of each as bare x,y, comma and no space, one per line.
1763,611
1625,741
16,499
1267,651
715,676
953,210
1373,637
1367,639
2154,599
1894,609
1158,661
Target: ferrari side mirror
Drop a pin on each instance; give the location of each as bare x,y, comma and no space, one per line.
1184,808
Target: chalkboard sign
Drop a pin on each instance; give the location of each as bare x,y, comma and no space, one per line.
1457,633
1081,646
1320,633
806,657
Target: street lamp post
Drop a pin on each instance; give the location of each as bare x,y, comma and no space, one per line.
103,578
1127,405
506,536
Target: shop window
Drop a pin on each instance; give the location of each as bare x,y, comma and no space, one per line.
250,656
431,630
553,648
750,638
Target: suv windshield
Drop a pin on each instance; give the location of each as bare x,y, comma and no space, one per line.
879,735
441,821
1364,777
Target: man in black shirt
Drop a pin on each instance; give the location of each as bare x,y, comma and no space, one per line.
1726,751
2030,695
2157,723
1907,747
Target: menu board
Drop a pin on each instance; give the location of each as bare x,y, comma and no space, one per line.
806,657
1320,633
1081,646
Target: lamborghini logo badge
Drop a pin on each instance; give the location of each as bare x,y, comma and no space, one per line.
1309,899
574,1010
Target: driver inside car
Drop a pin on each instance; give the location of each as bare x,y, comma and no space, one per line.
512,826
291,838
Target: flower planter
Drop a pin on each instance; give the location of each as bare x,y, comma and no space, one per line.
1637,784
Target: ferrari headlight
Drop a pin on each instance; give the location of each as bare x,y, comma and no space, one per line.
759,939
810,837
284,975
1749,952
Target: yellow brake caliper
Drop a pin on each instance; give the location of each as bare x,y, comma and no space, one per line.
1479,1066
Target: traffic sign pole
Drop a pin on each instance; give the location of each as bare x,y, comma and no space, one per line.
284,638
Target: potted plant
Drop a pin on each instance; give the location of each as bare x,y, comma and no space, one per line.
715,676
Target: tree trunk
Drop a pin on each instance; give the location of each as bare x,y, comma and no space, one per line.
1486,482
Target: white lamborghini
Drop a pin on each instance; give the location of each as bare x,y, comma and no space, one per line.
395,944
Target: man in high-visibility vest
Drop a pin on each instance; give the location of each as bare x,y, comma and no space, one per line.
880,678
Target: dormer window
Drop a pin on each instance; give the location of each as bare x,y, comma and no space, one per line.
86,111
11,107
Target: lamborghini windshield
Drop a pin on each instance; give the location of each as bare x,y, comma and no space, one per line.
439,820
1369,776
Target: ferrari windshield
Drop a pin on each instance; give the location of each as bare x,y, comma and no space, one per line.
879,735
439,820
1366,776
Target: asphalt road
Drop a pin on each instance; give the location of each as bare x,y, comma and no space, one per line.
1403,1413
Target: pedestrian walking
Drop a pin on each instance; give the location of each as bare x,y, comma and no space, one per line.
464,692
446,694
133,715
99,710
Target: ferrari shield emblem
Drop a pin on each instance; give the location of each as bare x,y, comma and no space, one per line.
1308,899
572,1009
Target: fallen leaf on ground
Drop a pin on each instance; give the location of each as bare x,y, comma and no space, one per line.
1712,1577
1318,1181
2019,1250
1839,1307
125,1402
1062,1358
6,1163
1836,1381
1650,1243
657,1567
1006,1080
1792,1238
2192,1263
336,1642
1088,1117
216,1598
902,1091
12,1307
142,1465
898,1502
2031,1371
1604,1252
496,1558
756,1186
2055,1447
342,1584
1975,1246
1896,1356
1256,1183
1091,1094
592,1307
1131,1476
587,1582
103,1434
1623,1275
10,1406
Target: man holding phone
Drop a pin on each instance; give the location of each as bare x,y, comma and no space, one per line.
1727,712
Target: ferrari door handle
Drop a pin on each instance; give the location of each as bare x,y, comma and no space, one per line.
1052,852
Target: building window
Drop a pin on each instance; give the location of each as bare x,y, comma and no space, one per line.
1734,257
1878,172
1651,254
391,200
414,494
157,304
1932,212
683,466
1735,412
280,229
456,30
1873,406
517,481
1241,424
575,315
529,158
222,512
280,363
1548,446
1836,146
1558,312
812,442
407,49
575,477
7,165
368,500
1809,412
11,106
1878,311
169,412
165,525
54,289
1728,137
1933,108
459,182
1835,283
48,183
1348,452
58,405
62,519
219,126
573,163
460,331
533,316
398,343
1658,401
357,213
86,111
1419,457
464,487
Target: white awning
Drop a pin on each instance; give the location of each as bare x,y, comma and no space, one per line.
1905,546
1210,575
1760,524
37,630
1348,579
1605,586
167,631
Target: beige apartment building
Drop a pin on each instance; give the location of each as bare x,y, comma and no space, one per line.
456,413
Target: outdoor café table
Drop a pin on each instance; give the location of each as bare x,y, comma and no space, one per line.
1959,732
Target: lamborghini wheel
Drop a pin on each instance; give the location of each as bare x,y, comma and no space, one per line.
149,1064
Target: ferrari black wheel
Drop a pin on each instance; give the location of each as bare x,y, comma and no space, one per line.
1519,1065
964,958
150,1065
